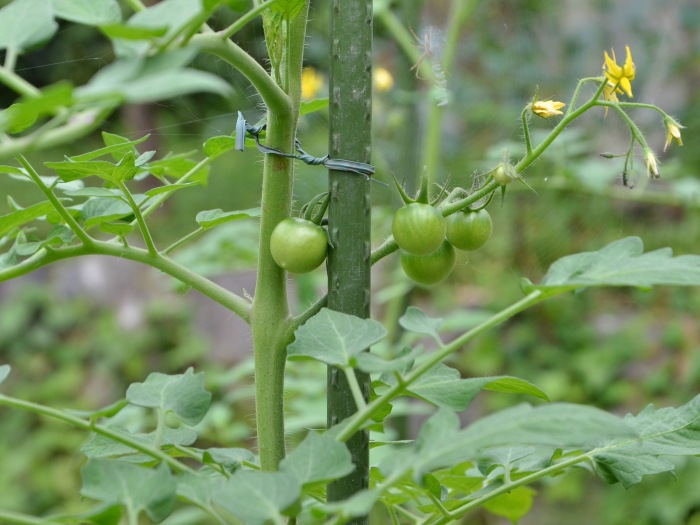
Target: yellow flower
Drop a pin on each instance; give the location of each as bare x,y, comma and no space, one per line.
311,83
651,162
383,81
674,132
619,77
547,108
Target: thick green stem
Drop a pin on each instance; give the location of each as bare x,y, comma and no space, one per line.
349,212
270,314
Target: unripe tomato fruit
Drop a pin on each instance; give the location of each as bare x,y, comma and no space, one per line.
418,229
432,268
298,245
469,230
503,175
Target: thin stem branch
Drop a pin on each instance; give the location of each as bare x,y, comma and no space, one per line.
357,421
148,239
15,518
55,201
526,129
245,19
16,83
182,240
45,256
136,5
357,396
83,424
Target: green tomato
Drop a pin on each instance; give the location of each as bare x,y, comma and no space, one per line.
469,230
432,268
503,174
418,229
298,245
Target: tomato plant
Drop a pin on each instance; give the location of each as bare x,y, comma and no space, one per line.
418,229
469,230
431,268
298,245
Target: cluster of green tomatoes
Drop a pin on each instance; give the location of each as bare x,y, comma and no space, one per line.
426,239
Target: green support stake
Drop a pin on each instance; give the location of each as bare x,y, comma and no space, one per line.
349,209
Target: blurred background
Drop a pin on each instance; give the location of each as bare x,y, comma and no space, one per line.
77,333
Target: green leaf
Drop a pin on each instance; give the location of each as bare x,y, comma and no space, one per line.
513,505
88,12
99,210
198,489
101,446
210,218
215,146
548,427
229,458
121,229
372,363
414,320
444,387
182,394
288,8
150,79
26,23
106,193
24,114
258,497
20,217
4,372
116,145
108,411
334,338
620,263
662,432
318,459
127,32
139,489
171,15
15,171
70,171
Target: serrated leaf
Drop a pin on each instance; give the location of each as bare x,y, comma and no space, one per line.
318,459
181,394
547,427
662,432
415,320
210,218
18,218
258,497
101,446
122,229
98,210
4,372
26,23
335,338
621,263
444,387
70,171
88,12
118,147
198,489
140,489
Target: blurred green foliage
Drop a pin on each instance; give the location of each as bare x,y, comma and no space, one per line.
615,349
